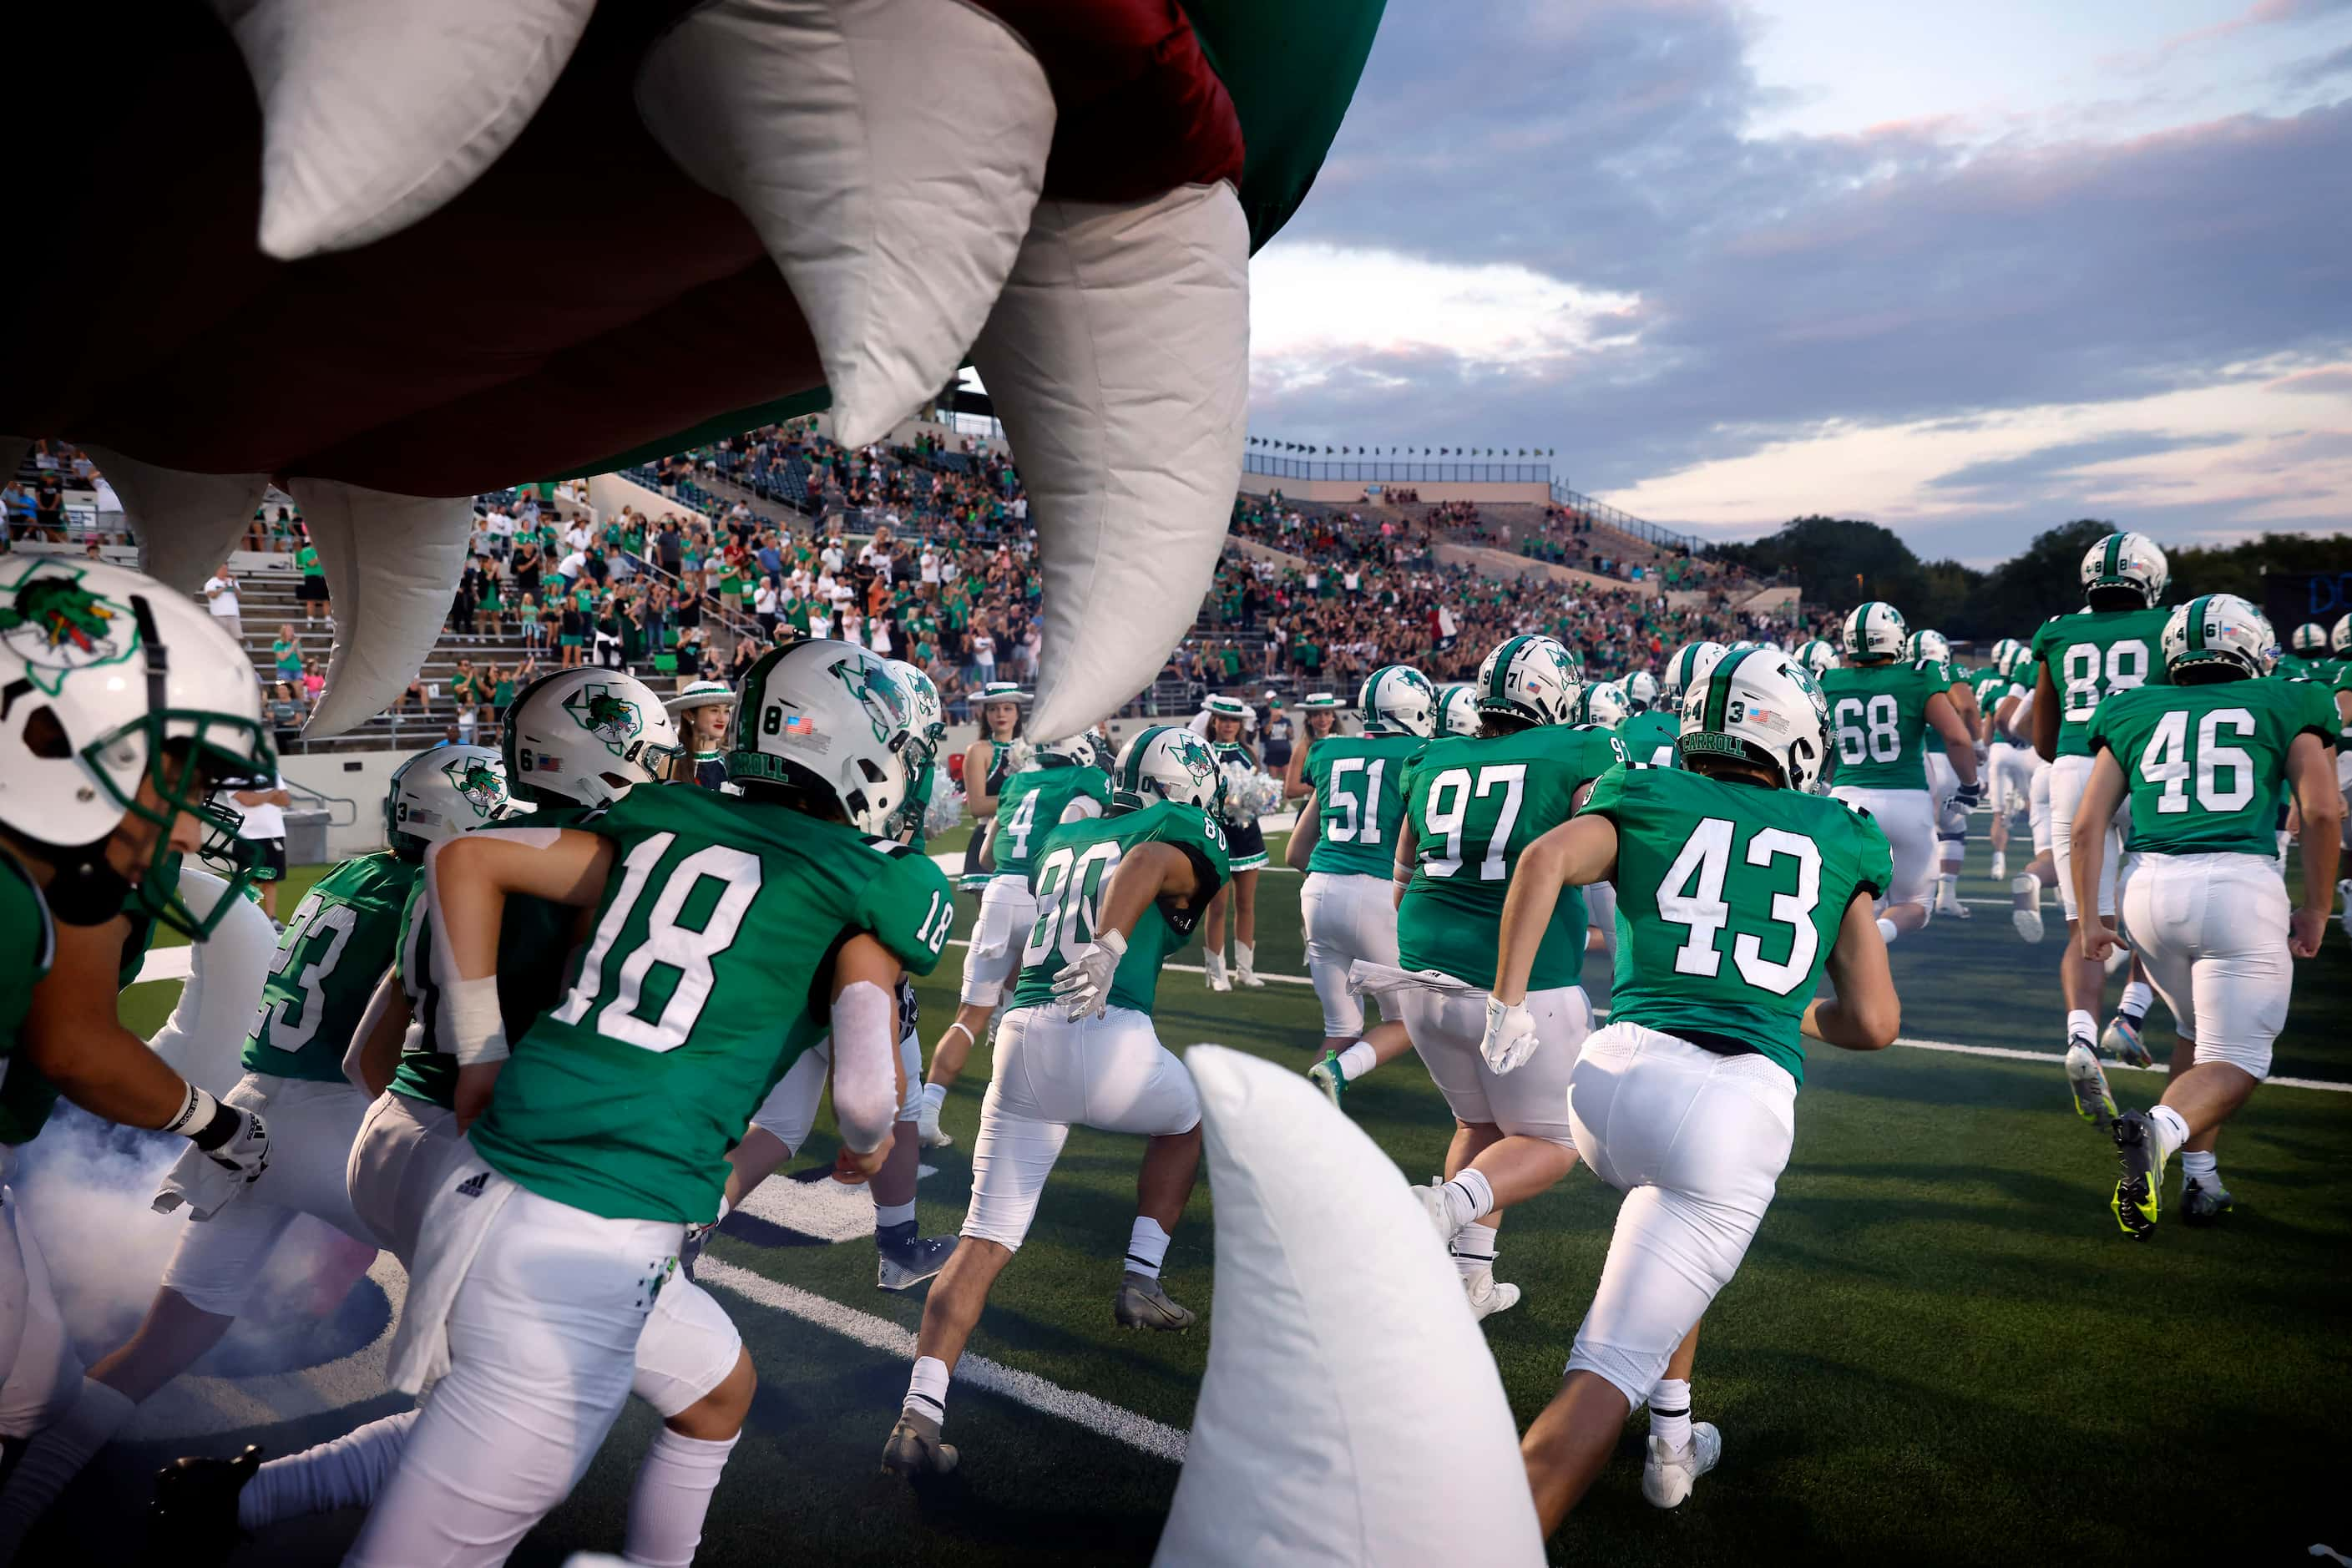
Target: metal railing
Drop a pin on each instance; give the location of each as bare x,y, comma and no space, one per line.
1601,512
1381,470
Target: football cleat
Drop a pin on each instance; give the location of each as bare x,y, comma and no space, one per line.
2202,1206
2088,1082
1489,1295
2139,1196
1216,965
1948,898
1667,1475
1142,1304
915,1449
1331,1078
2028,919
901,1265
2122,1041
194,1513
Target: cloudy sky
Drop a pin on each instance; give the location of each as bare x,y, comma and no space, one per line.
1968,270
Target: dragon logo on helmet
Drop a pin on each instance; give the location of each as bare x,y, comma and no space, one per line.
612,718
478,784
58,626
877,691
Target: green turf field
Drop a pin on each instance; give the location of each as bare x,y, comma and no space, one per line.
1941,1348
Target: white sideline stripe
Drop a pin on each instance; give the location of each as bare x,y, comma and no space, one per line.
2012,1054
1138,1432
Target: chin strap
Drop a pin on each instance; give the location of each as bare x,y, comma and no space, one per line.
86,890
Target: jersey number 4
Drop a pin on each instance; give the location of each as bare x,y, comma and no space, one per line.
1692,897
679,948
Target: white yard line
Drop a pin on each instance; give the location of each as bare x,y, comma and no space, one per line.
1138,1432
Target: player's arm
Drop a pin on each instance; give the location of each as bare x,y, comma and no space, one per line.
2046,716
72,1036
1960,744
2311,773
1865,1014
1149,874
1303,834
1579,851
374,1049
868,1079
2101,795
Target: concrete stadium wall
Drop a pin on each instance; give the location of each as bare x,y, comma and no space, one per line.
1503,563
361,777
1344,491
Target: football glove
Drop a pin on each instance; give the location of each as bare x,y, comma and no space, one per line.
1083,986
1510,1037
1970,795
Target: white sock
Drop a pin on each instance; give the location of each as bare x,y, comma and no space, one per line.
54,1455
2139,996
345,1473
1147,1248
672,1495
1951,880
888,1215
1474,1250
934,1096
2201,1168
1670,1409
1358,1059
2080,1023
1887,932
2171,1130
927,1390
1467,1197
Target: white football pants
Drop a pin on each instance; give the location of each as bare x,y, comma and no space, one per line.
1347,918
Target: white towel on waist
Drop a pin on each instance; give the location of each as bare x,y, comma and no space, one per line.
1384,978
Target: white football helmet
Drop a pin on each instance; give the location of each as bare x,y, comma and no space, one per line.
2130,561
1929,645
1688,668
441,792
1817,655
1397,699
2310,639
1874,629
1457,708
588,736
828,717
1077,750
2219,629
2340,639
1762,706
1605,704
1166,761
1641,691
927,716
106,677
1533,677
2005,654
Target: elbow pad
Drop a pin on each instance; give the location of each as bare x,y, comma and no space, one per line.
864,1056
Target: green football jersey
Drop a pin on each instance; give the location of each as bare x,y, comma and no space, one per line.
706,978
2092,656
1649,738
1878,722
2296,667
2206,764
1931,739
1990,686
338,945
534,956
2337,690
1358,784
1729,901
1033,802
1472,806
1073,867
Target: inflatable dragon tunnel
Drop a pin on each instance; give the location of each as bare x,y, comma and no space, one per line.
391,256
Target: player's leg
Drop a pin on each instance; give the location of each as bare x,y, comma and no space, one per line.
542,1337
1323,919
1909,817
693,1370
1020,1139
1213,938
1356,920
1245,927
904,1258
1951,834
2080,981
1679,1450
2121,1037
1129,1083
2025,889
52,1417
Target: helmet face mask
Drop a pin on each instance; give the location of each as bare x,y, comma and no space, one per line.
1397,699
2125,564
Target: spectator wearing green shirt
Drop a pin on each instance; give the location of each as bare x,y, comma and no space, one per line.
314,584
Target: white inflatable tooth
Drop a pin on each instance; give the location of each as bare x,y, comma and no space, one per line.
392,565
1352,1413
185,523
1118,359
374,114
889,152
